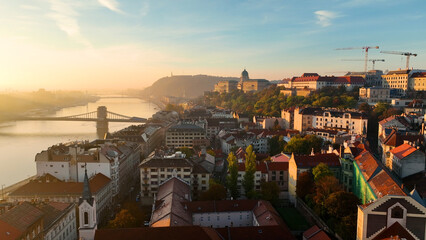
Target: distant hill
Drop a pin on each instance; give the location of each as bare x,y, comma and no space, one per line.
183,86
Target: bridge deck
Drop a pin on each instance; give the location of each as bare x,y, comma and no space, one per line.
135,120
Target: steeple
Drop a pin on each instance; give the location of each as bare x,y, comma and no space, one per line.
87,194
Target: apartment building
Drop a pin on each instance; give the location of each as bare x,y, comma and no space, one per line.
303,163
117,160
157,169
314,81
350,121
397,80
417,81
185,135
374,94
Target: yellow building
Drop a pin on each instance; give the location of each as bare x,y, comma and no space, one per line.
397,80
225,86
417,81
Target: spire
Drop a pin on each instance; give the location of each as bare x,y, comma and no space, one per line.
87,194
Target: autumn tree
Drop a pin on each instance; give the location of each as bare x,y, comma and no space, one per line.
216,192
232,178
305,185
340,204
323,188
320,171
250,165
123,219
270,191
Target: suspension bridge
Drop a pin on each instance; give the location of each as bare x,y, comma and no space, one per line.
102,117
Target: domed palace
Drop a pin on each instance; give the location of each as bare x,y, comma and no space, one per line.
245,84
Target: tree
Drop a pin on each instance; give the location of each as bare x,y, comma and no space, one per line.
211,152
364,107
270,191
323,188
340,204
123,219
232,178
320,171
305,185
187,151
216,192
276,145
250,164
304,145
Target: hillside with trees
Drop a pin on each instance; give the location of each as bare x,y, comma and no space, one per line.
188,86
269,102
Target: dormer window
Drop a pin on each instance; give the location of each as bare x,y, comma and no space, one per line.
397,212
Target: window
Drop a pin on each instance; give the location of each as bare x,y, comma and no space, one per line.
397,212
86,218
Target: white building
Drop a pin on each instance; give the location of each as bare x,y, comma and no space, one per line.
349,121
407,160
117,160
64,225
87,213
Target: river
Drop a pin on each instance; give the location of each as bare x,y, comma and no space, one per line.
20,141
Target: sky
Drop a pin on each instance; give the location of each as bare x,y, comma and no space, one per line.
121,44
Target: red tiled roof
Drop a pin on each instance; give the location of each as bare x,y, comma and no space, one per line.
35,188
383,184
315,233
266,215
367,164
309,77
403,151
277,166
308,161
281,157
395,231
395,139
8,232
22,216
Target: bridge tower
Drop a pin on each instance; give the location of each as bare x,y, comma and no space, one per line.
102,122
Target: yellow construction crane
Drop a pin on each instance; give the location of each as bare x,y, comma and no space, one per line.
370,60
366,53
407,54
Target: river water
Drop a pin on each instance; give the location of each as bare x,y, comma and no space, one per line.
20,141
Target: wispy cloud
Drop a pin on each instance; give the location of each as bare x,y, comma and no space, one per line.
111,5
65,16
325,17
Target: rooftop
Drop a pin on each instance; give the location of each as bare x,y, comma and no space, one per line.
309,161
403,151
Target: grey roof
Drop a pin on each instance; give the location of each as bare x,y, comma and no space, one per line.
166,162
185,127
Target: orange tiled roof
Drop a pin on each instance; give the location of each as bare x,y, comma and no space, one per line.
367,164
383,184
403,151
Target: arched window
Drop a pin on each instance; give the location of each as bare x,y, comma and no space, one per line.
397,212
86,218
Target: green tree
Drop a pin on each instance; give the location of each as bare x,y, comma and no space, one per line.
320,171
250,164
232,178
216,192
270,191
276,145
187,151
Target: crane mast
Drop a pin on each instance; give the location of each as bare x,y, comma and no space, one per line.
407,54
366,53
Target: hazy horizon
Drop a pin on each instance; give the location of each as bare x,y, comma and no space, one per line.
109,44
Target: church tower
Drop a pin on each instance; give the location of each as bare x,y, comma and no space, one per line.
87,212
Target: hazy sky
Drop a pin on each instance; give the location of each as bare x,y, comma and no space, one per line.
87,44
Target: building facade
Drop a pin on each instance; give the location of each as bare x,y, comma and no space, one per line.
374,94
185,135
